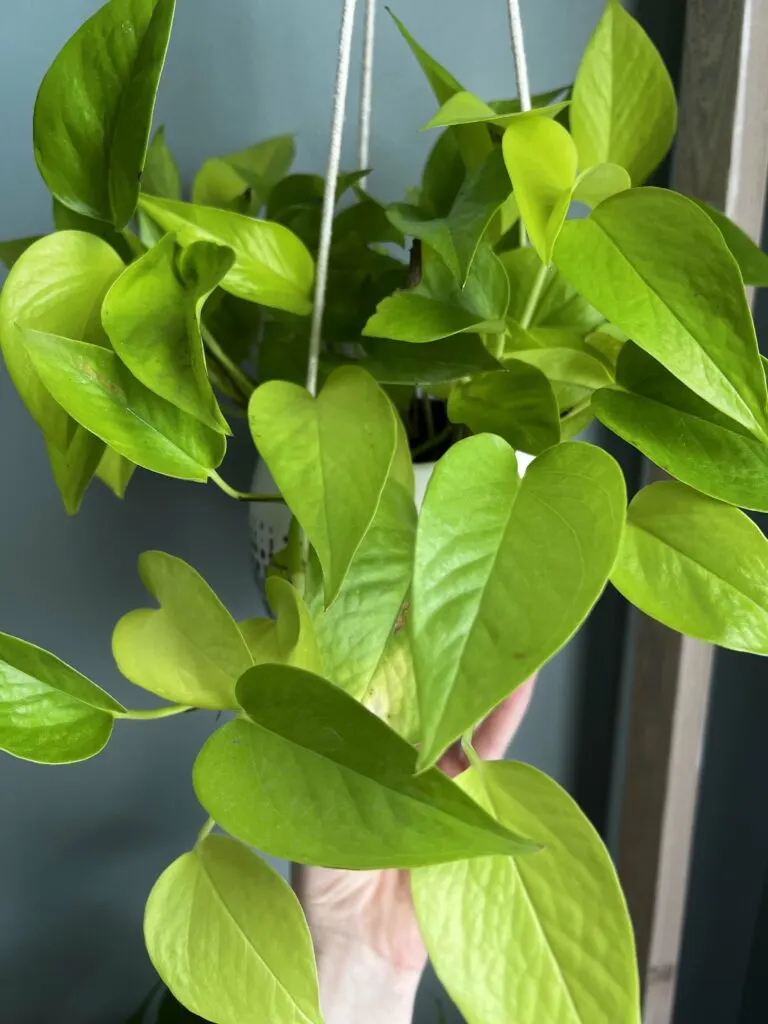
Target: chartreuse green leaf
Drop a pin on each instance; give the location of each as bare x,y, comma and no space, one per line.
49,713
57,284
272,266
472,140
466,108
115,472
330,458
391,693
600,182
541,159
246,177
101,394
228,937
161,175
658,268
438,307
684,435
74,468
623,108
190,650
443,175
353,632
456,237
152,316
516,403
752,261
537,556
433,362
559,305
697,565
562,950
94,108
13,248
289,638
314,777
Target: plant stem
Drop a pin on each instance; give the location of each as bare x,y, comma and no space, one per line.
433,442
242,495
206,830
534,296
153,713
244,383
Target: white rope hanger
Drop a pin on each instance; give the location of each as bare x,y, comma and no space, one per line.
329,194
366,91
518,49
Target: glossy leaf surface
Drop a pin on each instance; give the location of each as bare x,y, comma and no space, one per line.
331,784
228,937
562,950
57,284
353,632
541,159
499,586
697,565
658,268
516,403
190,650
94,108
682,434
49,712
752,261
623,108
330,458
152,317
438,308
12,248
97,390
272,266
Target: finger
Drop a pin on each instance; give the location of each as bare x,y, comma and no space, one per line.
495,733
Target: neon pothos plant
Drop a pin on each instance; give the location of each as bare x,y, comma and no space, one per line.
128,333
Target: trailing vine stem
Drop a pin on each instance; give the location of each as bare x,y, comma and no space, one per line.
243,495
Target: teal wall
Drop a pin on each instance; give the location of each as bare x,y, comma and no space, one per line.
81,846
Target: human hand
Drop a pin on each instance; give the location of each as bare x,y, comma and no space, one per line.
370,954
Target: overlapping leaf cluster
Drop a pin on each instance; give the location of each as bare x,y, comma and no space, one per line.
131,334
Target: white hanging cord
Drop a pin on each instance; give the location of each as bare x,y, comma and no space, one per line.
329,195
366,91
518,48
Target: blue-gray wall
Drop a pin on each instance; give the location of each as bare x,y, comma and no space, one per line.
80,846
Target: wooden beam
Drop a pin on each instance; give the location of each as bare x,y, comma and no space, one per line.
721,156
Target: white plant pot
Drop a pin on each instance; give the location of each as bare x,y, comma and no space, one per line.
270,521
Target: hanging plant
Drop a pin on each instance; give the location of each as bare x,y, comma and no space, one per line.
473,323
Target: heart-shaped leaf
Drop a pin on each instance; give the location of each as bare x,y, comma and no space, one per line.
330,458
541,159
658,268
517,403
49,713
289,638
316,778
251,174
94,108
752,261
684,435
56,285
272,266
437,307
697,565
563,948
152,316
466,108
456,237
190,650
97,390
500,586
228,937
623,108
353,632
